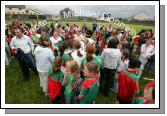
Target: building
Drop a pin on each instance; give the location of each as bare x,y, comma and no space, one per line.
21,12
66,13
141,16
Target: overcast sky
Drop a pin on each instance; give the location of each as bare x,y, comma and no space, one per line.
123,11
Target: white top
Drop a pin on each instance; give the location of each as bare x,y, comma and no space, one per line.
80,37
123,64
54,41
44,58
25,44
111,58
77,58
147,51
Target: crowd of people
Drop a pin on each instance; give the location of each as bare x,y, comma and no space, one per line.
74,62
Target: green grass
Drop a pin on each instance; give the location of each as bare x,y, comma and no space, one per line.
18,91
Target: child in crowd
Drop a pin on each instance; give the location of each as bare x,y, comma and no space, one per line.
149,94
72,74
135,51
78,55
90,56
89,88
128,83
123,64
55,81
65,53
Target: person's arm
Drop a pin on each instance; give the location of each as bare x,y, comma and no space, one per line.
12,45
82,94
142,48
119,60
51,56
30,42
152,52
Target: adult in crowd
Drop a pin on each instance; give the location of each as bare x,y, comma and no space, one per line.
111,58
44,60
23,47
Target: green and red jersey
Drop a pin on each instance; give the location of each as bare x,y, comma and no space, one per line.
147,98
65,58
54,83
70,91
127,85
89,90
141,100
57,75
135,54
96,59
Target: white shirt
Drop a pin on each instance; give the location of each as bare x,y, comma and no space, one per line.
55,41
44,58
111,58
77,58
25,44
123,64
147,51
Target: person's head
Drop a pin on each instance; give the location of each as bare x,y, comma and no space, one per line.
148,42
125,54
65,44
134,64
73,68
114,33
55,33
90,50
148,33
76,44
18,33
57,63
112,43
91,68
33,31
44,41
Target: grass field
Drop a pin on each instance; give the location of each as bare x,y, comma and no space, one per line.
18,91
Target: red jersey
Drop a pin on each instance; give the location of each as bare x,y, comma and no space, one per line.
127,85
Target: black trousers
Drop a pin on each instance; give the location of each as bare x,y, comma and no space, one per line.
109,80
26,61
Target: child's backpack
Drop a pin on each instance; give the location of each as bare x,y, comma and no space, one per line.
54,88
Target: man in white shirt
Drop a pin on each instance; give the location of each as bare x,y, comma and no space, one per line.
147,50
23,46
111,58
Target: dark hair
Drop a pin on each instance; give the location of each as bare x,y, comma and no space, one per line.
64,46
134,63
126,53
77,45
112,43
89,57
56,53
58,62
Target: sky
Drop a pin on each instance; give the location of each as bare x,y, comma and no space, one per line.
116,11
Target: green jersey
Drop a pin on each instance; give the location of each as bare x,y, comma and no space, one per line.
89,90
